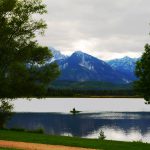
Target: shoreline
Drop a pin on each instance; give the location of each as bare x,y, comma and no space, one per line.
77,97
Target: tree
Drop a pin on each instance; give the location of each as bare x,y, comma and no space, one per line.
5,112
23,68
23,71
143,73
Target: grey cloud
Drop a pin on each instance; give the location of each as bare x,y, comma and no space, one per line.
99,26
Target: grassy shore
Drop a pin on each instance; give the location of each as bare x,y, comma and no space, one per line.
71,141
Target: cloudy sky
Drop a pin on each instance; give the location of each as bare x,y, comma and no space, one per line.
103,28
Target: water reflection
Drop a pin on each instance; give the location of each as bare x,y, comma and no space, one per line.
117,126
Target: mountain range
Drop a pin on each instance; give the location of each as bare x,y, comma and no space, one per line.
125,66
82,67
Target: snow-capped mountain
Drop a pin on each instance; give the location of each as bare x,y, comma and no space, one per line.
125,65
83,67
56,54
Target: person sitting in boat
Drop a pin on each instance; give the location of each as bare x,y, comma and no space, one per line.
74,111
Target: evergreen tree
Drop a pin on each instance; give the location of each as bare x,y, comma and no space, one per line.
143,74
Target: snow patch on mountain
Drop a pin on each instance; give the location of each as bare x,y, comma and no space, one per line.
87,66
125,63
84,60
64,66
56,54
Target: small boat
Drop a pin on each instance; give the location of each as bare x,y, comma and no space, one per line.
74,111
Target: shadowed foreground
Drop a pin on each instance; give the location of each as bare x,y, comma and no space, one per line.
19,136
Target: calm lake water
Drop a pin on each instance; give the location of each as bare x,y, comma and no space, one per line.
120,119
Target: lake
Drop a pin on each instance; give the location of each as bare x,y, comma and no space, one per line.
121,119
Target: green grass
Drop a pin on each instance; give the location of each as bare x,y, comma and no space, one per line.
69,141
8,149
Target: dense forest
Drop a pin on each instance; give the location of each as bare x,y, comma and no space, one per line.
90,93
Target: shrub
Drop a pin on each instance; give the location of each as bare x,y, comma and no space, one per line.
102,135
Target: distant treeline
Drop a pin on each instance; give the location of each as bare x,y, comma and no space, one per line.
90,93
